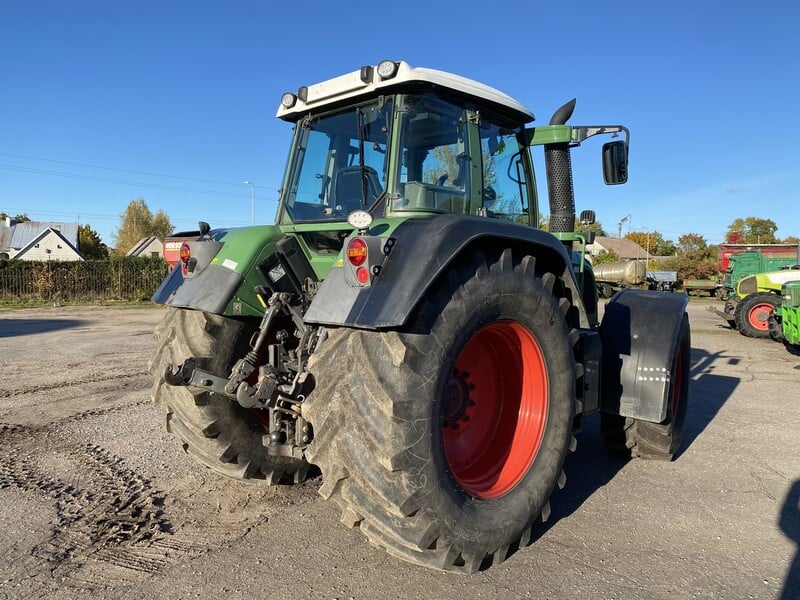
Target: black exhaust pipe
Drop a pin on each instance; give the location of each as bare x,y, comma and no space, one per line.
558,166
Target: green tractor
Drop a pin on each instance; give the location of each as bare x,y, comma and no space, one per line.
406,327
755,299
784,322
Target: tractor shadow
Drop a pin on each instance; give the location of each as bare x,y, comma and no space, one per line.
789,522
592,466
793,350
22,327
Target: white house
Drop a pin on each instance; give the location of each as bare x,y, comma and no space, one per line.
624,248
151,247
32,240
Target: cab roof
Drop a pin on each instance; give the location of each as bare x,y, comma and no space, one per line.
393,76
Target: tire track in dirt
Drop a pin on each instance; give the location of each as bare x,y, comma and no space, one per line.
112,507
109,525
60,385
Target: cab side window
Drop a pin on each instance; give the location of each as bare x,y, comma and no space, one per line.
504,188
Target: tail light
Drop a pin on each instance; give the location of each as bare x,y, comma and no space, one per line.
364,257
185,255
357,251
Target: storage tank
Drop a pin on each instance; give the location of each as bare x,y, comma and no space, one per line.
628,272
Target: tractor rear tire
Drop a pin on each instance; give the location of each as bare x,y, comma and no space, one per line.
444,441
215,430
660,441
752,314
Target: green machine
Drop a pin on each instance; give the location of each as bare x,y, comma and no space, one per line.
405,327
784,322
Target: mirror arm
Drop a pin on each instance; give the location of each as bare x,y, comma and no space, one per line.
584,132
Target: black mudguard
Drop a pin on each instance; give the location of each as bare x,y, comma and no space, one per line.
423,249
640,331
210,290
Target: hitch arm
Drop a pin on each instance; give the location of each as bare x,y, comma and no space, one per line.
187,374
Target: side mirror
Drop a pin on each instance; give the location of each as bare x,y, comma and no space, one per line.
615,162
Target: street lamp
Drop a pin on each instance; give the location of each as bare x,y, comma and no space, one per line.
252,201
647,250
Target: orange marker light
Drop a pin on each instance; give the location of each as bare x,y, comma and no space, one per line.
185,253
357,253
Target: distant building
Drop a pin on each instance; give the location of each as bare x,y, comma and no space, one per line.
624,248
151,247
35,240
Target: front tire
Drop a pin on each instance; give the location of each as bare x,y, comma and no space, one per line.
752,314
443,442
215,430
642,439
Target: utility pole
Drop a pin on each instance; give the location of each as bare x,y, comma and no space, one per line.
252,201
619,234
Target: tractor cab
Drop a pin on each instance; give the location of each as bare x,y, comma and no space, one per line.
394,140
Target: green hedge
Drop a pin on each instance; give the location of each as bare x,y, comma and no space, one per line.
118,278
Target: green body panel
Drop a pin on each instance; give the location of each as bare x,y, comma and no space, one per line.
549,134
245,248
790,312
583,272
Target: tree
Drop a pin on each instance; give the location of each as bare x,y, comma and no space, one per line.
596,228
696,258
161,225
752,230
653,242
138,222
20,218
90,244
644,239
792,239
662,247
604,256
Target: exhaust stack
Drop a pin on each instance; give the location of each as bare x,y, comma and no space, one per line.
558,166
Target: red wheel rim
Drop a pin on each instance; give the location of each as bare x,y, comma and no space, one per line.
758,317
495,409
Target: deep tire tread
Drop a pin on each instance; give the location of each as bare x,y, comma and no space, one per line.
365,442
214,430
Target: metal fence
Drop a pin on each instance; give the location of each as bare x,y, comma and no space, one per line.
128,278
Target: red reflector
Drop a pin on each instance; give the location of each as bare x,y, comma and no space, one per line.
357,253
186,253
362,274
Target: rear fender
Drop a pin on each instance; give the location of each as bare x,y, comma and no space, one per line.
421,251
639,332
222,272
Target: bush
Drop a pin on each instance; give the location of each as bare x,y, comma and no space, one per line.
120,278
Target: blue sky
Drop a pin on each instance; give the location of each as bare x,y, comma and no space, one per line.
174,101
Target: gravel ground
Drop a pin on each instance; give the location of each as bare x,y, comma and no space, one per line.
96,500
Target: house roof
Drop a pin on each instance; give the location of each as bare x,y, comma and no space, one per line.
623,248
19,235
141,245
43,235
